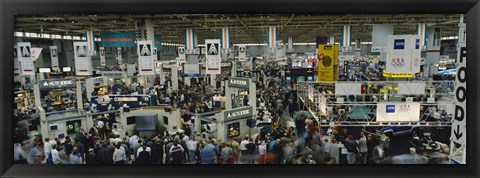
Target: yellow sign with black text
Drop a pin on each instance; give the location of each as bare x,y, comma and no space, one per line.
328,62
397,75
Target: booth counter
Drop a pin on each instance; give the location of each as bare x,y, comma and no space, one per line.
166,120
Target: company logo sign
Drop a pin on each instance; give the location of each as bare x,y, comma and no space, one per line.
238,113
390,108
238,83
404,108
50,84
397,62
399,44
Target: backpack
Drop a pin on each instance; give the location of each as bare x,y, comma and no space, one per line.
144,157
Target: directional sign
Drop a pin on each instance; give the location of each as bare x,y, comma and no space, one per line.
25,58
83,61
458,134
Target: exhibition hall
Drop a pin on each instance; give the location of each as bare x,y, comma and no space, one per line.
239,89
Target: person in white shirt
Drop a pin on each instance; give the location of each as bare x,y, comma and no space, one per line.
262,151
119,155
47,147
185,138
243,144
117,139
148,149
55,156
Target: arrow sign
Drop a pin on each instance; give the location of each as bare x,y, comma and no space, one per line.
458,134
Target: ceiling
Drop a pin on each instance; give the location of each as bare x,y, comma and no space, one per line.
245,28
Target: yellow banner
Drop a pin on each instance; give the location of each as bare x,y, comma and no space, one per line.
397,75
327,62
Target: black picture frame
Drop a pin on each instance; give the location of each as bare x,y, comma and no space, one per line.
8,9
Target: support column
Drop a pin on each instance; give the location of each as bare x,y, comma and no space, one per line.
252,96
190,39
225,39
175,78
421,31
331,40
213,80
234,69
228,97
358,48
150,30
380,32
290,44
79,96
162,75
433,45
346,38
272,37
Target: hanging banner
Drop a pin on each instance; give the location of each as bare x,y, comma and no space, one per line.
145,58
416,54
25,59
280,51
83,61
103,62
36,52
242,53
114,40
54,57
16,63
328,62
213,59
181,54
119,56
91,43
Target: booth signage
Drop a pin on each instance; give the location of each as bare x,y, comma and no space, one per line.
56,83
226,64
235,82
397,75
103,62
398,112
112,74
237,113
73,126
242,51
126,99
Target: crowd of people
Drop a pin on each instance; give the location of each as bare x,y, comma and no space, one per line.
294,137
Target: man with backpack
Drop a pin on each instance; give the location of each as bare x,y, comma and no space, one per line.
143,155
176,152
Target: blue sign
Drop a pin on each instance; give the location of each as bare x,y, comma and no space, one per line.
417,44
390,108
399,44
114,40
117,101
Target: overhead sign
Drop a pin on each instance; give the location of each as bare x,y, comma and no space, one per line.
114,40
25,58
36,52
54,57
398,112
56,84
226,64
236,82
103,61
235,114
83,61
403,54
16,63
213,60
181,54
119,55
145,58
328,62
242,53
